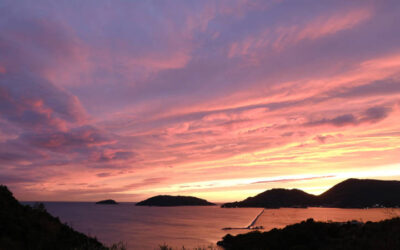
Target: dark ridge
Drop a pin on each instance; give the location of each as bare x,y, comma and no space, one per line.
383,235
26,227
360,193
168,201
351,193
276,198
107,202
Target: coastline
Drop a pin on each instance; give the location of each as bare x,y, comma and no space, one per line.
272,218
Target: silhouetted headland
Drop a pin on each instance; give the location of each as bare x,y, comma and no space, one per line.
107,202
383,235
276,198
170,201
351,193
26,227
357,193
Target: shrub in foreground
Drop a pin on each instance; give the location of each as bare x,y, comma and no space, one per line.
383,235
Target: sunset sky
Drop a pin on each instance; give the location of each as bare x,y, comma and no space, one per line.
216,99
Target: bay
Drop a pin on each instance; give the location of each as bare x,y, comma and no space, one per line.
148,227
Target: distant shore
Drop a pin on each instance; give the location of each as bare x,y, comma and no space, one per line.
351,193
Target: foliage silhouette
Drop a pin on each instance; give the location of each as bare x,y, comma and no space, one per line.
384,235
26,227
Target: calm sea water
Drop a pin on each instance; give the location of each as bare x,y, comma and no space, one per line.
147,227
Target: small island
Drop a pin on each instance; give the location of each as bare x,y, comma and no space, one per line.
171,201
107,202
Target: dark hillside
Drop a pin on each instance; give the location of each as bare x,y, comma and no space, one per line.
276,198
24,227
351,193
358,193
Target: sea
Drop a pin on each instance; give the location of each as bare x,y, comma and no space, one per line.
143,228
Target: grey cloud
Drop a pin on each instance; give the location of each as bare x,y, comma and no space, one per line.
104,174
376,114
287,134
119,155
29,48
338,121
382,87
12,179
34,103
323,138
373,114
78,137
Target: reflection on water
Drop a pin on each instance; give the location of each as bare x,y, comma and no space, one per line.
147,227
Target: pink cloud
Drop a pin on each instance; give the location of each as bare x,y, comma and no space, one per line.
288,35
322,26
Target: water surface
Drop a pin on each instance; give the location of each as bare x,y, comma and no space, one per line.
278,218
147,227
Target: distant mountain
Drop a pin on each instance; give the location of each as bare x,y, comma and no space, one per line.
107,202
168,200
356,193
351,193
276,198
25,227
